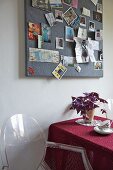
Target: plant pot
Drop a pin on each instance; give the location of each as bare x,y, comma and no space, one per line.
89,116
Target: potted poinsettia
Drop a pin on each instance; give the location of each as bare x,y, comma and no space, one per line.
86,104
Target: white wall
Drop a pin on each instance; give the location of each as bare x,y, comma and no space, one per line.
46,98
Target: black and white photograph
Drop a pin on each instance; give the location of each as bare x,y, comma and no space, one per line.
83,21
59,43
59,16
91,26
100,55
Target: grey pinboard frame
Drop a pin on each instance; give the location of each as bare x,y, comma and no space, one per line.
36,15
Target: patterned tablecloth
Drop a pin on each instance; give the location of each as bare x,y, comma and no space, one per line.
99,147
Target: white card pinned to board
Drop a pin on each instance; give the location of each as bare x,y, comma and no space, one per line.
77,67
86,12
95,2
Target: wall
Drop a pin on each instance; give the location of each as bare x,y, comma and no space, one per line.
47,99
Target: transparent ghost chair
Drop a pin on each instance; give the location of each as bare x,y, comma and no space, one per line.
23,147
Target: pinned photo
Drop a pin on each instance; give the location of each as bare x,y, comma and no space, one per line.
55,3
59,16
99,8
75,23
97,16
43,4
33,31
50,18
69,16
46,33
98,65
81,51
91,26
82,33
59,71
69,34
91,35
40,42
73,3
59,43
100,55
83,21
98,35
67,2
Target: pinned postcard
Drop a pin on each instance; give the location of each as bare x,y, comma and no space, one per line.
83,21
91,26
59,16
33,31
69,34
86,11
73,3
99,35
55,3
95,2
59,43
50,18
68,61
97,16
46,33
98,65
43,4
81,50
42,55
82,33
70,16
99,8
77,68
59,71
40,41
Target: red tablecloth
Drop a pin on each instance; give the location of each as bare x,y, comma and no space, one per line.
99,148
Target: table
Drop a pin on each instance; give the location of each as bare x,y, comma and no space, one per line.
99,148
